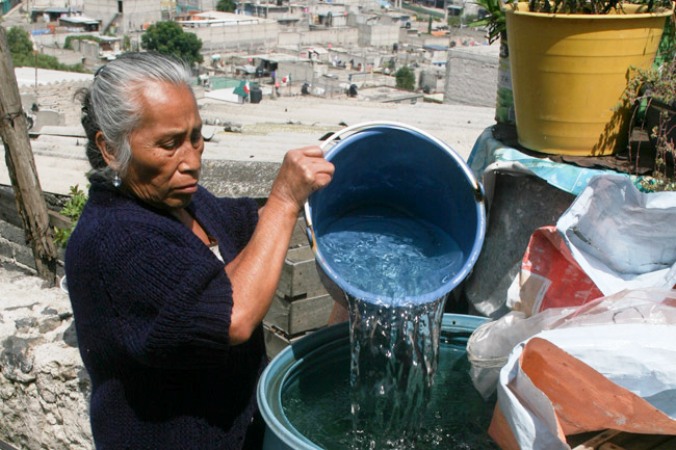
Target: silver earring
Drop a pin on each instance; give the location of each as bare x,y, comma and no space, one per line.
117,182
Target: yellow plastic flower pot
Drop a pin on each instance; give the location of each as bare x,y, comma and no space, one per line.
569,72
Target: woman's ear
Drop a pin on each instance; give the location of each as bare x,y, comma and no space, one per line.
108,157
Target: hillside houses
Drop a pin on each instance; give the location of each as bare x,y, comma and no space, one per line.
333,45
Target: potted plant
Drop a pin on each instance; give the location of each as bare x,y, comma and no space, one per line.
570,61
652,95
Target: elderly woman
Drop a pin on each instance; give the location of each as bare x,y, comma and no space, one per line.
168,283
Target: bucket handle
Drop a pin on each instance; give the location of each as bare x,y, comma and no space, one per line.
326,145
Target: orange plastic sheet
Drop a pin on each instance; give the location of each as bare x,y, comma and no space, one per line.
562,395
550,277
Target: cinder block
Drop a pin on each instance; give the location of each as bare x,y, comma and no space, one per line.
6,249
12,233
300,315
299,236
299,277
24,255
276,340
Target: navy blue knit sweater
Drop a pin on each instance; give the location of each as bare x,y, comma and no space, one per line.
152,308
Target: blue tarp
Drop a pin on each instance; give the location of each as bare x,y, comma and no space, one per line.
489,152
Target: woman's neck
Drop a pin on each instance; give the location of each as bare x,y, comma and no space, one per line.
189,221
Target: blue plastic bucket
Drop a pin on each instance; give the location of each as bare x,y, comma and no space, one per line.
397,166
314,352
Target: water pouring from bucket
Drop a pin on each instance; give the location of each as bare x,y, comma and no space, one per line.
399,227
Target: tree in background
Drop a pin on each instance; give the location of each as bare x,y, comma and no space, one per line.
226,5
19,42
21,49
170,39
405,78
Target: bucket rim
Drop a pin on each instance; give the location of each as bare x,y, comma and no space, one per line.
480,210
302,350
292,356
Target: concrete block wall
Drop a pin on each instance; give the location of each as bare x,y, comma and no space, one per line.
340,37
238,37
14,249
472,76
301,303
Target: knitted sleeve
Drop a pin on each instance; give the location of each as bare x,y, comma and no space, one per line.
168,294
245,210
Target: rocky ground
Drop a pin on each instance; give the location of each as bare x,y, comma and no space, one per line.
43,387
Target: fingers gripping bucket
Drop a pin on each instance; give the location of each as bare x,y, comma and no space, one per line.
383,166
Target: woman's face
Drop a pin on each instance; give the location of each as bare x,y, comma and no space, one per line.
166,147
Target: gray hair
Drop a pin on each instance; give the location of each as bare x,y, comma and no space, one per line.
111,104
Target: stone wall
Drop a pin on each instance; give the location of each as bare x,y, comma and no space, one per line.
43,385
44,388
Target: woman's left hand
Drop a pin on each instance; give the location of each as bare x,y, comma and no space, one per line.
303,171
255,272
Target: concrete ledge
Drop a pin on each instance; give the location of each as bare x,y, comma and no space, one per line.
225,178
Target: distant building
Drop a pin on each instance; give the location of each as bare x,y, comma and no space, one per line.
81,23
436,54
49,14
376,30
214,19
326,15
285,14
122,16
221,31
187,6
472,75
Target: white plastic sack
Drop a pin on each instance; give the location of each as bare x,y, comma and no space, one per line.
491,343
621,237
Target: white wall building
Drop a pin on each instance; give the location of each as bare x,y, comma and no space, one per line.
123,16
220,31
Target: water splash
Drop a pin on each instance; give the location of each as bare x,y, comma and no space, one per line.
394,357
